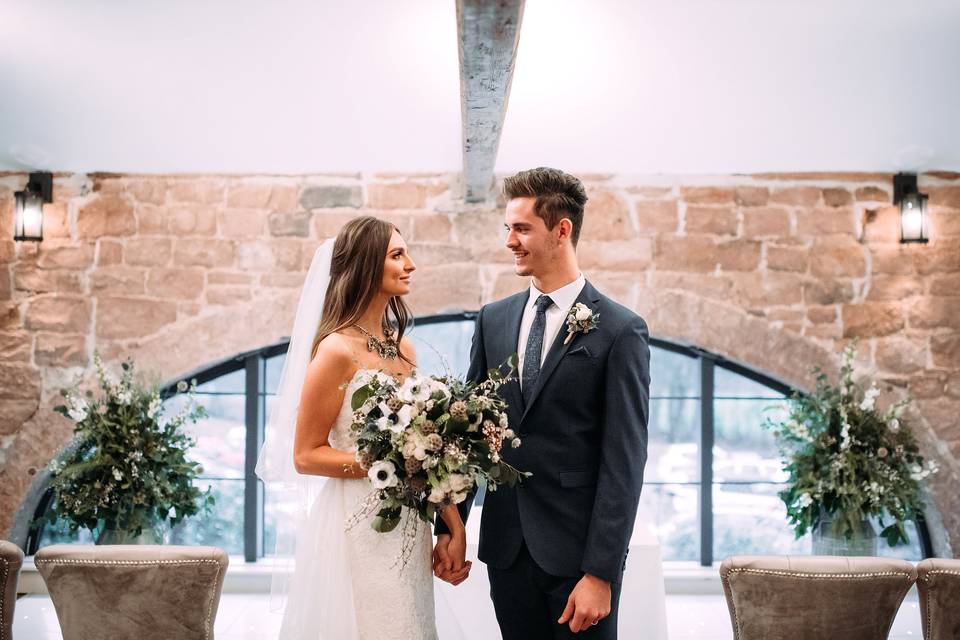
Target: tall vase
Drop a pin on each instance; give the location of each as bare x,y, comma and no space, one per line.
829,540
148,535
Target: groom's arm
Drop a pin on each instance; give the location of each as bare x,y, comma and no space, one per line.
623,453
476,373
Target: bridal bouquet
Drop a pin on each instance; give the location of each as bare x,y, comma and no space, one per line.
426,443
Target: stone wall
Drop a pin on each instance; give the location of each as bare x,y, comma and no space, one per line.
775,271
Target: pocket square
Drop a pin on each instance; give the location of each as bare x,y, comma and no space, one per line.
580,350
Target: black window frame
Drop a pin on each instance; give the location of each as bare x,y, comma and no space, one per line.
254,364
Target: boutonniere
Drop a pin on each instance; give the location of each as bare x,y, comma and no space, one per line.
580,319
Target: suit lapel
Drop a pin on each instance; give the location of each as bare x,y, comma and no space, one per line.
510,337
558,349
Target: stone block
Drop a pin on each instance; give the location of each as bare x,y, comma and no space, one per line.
947,196
945,285
708,195
152,220
872,194
935,313
871,319
290,224
248,196
124,317
887,287
824,292
766,222
800,196
149,252
944,222
59,350
228,295
432,228
400,195
15,414
19,381
837,197
178,284
606,217
751,196
447,288
331,197
106,215
109,253
616,255
882,225
189,252
656,216
148,190
794,258
711,219
838,257
118,280
29,278
945,350
196,191
65,256
15,346
702,253
61,314
902,356
821,222
193,220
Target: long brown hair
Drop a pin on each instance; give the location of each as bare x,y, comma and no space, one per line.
356,275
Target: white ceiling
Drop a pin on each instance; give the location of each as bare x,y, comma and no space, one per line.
638,87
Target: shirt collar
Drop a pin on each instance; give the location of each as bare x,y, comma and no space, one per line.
564,297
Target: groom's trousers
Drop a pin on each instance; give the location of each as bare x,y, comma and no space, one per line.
529,601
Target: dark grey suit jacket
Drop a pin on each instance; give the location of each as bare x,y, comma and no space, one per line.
584,435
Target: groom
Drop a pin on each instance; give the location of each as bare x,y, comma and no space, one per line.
555,546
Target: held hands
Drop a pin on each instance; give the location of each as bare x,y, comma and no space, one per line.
449,557
588,604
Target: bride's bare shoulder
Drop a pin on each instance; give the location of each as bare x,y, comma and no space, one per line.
334,353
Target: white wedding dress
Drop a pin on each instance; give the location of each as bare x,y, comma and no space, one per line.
336,564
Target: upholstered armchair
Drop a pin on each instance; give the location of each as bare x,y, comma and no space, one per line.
147,592
814,597
11,559
938,582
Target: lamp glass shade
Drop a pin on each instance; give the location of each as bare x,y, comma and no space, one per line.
28,216
913,218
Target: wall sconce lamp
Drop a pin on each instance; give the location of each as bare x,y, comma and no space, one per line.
28,211
913,208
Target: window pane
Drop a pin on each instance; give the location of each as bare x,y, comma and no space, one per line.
728,384
670,511
223,527
743,449
673,375
220,437
274,367
233,382
444,347
674,430
750,519
59,533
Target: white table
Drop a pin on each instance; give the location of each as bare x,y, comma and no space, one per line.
466,613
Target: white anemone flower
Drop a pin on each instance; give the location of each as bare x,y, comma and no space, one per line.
383,475
415,389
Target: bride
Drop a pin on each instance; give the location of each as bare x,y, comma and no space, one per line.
346,581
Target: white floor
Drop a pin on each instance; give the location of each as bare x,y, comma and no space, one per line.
246,617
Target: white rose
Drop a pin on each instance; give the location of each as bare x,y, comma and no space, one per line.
583,312
458,482
805,500
436,495
383,474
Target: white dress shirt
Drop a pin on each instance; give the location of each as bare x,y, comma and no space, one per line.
555,316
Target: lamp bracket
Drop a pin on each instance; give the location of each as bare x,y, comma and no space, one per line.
903,184
41,183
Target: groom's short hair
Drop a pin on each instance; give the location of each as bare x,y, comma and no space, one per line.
558,195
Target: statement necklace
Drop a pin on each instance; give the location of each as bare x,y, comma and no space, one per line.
386,348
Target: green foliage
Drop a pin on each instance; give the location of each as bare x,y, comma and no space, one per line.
127,468
849,461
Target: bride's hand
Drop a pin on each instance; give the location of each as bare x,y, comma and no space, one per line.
457,550
443,560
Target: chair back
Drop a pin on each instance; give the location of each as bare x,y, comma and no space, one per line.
144,592
938,581
11,560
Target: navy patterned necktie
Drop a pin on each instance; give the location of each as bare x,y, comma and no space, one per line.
531,355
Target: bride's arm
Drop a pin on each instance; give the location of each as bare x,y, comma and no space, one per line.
320,403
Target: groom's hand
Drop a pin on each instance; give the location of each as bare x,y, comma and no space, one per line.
588,604
444,564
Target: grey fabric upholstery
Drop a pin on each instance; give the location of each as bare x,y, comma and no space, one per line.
814,597
938,582
141,592
11,559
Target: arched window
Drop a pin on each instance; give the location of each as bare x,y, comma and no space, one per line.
710,487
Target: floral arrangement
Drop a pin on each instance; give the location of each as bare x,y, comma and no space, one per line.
849,460
580,319
426,443
127,470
